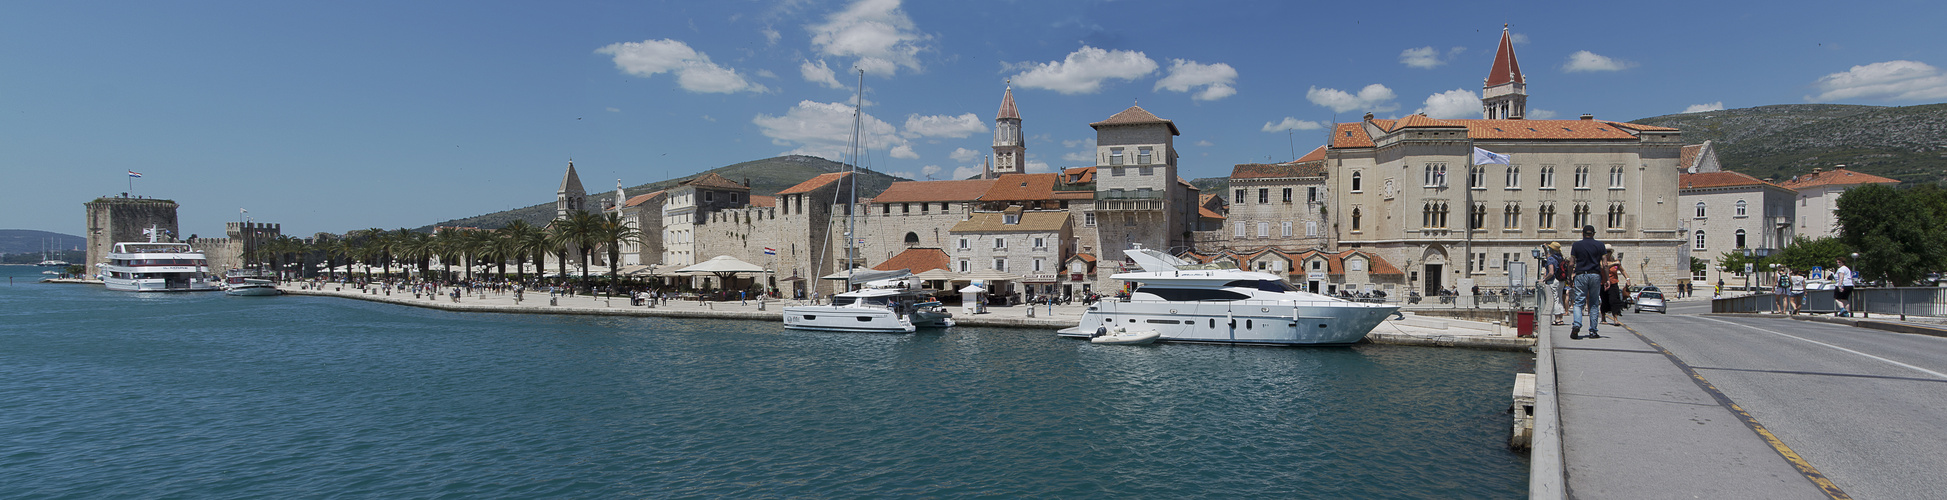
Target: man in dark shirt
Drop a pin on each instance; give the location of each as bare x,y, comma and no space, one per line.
1587,283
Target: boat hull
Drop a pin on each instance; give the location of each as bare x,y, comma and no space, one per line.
158,285
846,319
253,291
1321,323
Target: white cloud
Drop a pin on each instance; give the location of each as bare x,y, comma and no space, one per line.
766,73
929,171
694,71
1886,81
1371,98
904,151
1083,71
1518,38
824,129
1205,143
902,174
1216,79
613,110
1289,123
819,74
965,172
1699,108
1038,167
958,127
1422,57
1086,154
1456,103
876,32
771,36
1540,114
963,155
1583,61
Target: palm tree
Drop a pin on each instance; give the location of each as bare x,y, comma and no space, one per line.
559,239
375,248
331,247
447,245
584,231
416,248
613,232
524,239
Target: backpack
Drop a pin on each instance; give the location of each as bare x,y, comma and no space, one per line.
1561,268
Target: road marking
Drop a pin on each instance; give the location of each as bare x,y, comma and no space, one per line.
1804,468
1795,337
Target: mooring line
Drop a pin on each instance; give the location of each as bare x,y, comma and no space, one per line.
1805,468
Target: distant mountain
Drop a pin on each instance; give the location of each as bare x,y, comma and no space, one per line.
1908,143
14,241
766,177
1219,186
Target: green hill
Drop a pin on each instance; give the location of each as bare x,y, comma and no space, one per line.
1908,143
24,246
766,177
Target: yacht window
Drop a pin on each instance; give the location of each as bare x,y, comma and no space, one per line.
1192,294
841,300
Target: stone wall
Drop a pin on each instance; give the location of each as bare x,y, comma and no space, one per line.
114,220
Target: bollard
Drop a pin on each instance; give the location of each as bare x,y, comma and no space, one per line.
1030,310
554,301
760,305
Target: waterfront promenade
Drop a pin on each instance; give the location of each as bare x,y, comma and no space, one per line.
1696,405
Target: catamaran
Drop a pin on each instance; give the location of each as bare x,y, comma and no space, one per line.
1189,302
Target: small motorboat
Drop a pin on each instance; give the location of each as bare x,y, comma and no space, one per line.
1122,336
251,287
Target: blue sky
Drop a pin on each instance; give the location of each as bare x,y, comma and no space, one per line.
333,116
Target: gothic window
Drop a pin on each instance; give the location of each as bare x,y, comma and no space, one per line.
1616,216
1478,220
1436,175
1355,218
1741,208
1580,216
1700,240
1440,214
1356,182
1545,217
1548,177
1514,177
1477,177
1700,210
1581,176
1511,217
1615,177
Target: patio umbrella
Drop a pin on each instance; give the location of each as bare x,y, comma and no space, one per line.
723,266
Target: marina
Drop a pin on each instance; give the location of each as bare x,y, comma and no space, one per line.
198,394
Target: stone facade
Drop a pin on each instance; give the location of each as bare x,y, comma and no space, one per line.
1281,206
116,220
1733,212
1818,197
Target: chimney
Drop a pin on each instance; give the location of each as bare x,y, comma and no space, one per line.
1587,116
1368,116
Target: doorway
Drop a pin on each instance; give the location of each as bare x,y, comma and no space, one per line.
1432,280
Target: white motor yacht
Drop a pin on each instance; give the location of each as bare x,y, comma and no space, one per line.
1189,302
250,283
888,310
155,266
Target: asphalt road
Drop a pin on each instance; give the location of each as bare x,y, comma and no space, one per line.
1866,408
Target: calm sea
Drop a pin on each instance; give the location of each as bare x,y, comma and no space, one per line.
121,395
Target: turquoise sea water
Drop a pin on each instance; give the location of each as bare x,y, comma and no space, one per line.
109,394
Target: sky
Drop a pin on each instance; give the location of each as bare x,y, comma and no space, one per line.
345,115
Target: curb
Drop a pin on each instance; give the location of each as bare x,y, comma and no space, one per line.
1495,343
1889,326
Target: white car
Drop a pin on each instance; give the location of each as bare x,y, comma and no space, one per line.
1651,299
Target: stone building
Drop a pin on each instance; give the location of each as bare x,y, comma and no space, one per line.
1281,206
1409,191
1138,197
916,214
1316,270
1818,197
1730,212
691,203
644,212
810,232
124,219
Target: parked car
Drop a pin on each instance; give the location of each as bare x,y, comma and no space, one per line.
1650,299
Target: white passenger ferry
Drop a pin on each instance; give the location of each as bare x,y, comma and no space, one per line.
154,266
1189,302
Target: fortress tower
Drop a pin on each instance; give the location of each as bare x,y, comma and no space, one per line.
112,220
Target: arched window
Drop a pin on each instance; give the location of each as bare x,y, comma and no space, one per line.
1741,208
1700,210
1356,182
1740,238
1355,211
1700,240
912,239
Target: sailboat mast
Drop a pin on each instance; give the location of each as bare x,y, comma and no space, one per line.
851,204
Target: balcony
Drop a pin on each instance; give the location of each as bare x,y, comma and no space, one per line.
1112,201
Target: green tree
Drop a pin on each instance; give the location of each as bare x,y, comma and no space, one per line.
525,240
1897,234
612,231
1805,253
1734,261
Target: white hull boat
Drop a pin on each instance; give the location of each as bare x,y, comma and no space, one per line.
1186,302
250,287
1123,336
886,310
154,266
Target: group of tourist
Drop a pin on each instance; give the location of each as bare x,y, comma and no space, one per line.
1595,283
1788,294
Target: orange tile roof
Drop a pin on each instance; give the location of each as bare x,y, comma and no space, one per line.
1545,129
1350,135
758,200
1724,178
1021,187
640,199
714,181
1135,115
1645,128
1836,177
814,183
1086,257
1207,213
1079,175
930,191
1687,158
1421,121
1315,155
1506,69
1277,170
918,260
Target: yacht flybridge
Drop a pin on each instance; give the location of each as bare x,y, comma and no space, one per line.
1189,302
156,266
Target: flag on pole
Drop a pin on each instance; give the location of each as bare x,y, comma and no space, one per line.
770,251
1485,157
133,173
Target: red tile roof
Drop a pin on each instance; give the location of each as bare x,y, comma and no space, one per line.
1506,69
1837,177
814,183
919,260
1315,155
1021,187
1687,158
640,199
1135,115
1644,128
1276,170
714,181
1724,178
1030,222
1545,129
1207,213
758,200
1421,121
1079,175
1350,135
930,191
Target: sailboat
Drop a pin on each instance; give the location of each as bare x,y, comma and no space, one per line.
47,261
887,303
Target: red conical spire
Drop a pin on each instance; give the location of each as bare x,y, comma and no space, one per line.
1007,105
1506,69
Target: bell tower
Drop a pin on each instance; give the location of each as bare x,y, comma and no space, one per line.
1009,150
570,197
1504,96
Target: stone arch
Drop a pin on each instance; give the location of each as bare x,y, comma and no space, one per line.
912,239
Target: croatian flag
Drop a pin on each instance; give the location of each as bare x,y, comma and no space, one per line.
132,173
1485,157
770,251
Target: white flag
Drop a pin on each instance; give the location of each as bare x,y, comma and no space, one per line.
1485,157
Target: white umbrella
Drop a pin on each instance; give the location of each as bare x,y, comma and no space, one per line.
973,289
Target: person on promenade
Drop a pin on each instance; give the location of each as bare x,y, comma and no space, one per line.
1842,296
1780,291
1553,269
1615,282
1587,253
1795,296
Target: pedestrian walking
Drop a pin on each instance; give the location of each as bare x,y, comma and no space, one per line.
1842,296
1556,277
1781,291
1615,283
1588,284
1795,296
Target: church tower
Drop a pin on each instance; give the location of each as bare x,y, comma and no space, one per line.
570,197
1505,94
1009,150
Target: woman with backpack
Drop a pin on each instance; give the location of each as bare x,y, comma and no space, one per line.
1614,281
1558,277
